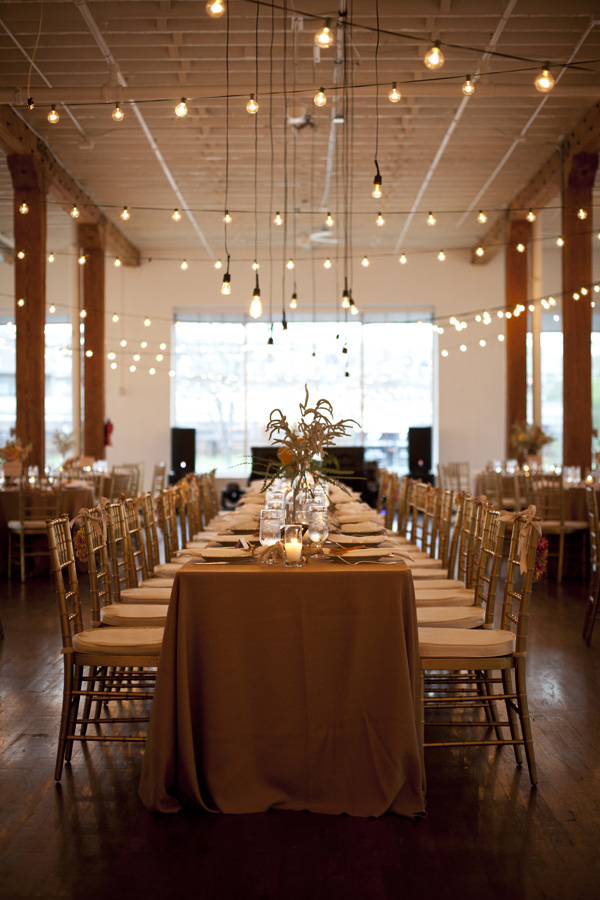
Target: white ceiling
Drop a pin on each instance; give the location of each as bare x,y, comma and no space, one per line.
437,150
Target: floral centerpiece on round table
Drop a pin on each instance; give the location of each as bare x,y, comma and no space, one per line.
14,450
303,445
527,440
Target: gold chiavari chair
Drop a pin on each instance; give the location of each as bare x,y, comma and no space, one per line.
150,531
27,534
391,505
142,575
125,588
159,475
88,654
494,660
593,595
548,496
382,489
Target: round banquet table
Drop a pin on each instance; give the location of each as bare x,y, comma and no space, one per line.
71,501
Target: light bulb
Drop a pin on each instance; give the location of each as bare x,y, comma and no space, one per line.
520,248
345,300
21,254
159,357
394,95
377,192
30,103
51,257
294,301
52,308
560,241
480,251
125,214
544,81
468,88
184,265
379,220
136,357
365,261
75,212
582,213
162,346
434,58
431,219
117,262
403,259
23,209
252,105
132,368
255,266
256,305
329,220
353,308
115,318
147,322
227,217
441,256
176,215
290,264
53,116
181,109
117,113
89,353
218,264
215,8
278,219
324,37
83,314
20,302
81,260
226,285
481,217
320,99
152,371
327,264
123,343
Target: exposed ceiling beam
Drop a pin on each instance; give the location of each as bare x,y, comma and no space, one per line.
17,137
545,184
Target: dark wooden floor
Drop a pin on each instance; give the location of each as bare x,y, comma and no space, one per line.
487,834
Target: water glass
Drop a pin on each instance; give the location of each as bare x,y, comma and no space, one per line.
318,526
271,521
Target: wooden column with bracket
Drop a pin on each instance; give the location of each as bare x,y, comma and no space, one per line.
30,314
516,326
91,241
577,314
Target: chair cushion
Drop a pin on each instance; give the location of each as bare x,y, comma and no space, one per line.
145,595
157,582
576,525
438,584
424,561
28,525
450,616
122,641
439,598
171,568
419,573
464,643
138,615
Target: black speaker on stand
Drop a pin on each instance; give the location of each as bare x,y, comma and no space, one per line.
183,453
419,454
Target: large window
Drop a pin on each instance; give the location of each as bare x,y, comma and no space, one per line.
228,379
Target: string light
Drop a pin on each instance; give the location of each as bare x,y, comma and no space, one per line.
278,220
53,116
346,299
30,103
123,343
256,305
152,371
176,215
531,216
329,221
560,241
75,212
252,105
327,264
181,109
81,260
82,314
255,265
117,113
184,265
480,251
544,81
324,37
394,95
132,368
582,213
441,256
51,257
226,284
117,262
159,357
215,8
125,214
162,346
294,301
20,302
520,248
481,217
444,353
501,338
482,343
290,264
463,348
431,219
434,58
218,264
113,365
377,192
115,318
136,357
379,220
365,261
147,322
403,260
21,254
23,209
227,217
468,88
89,353
320,99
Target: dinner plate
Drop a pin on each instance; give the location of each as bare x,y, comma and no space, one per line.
234,538
353,539
368,553
225,554
362,528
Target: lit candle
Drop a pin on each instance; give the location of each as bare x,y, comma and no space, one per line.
293,550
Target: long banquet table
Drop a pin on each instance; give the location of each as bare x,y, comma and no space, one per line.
288,688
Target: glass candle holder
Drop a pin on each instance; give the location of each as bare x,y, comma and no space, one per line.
292,545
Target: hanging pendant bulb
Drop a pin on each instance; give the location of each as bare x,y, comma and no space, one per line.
227,217
181,109
23,208
544,81
215,8
252,105
256,305
327,264
53,116
324,37
117,263
531,217
582,213
74,212
365,262
176,215
329,221
394,95
560,241
480,252
346,297
379,220
468,88
226,285
278,220
81,260
218,264
377,192
125,214
441,256
51,257
320,99
353,308
255,265
431,219
117,113
184,265
403,259
434,58
481,217
290,264
30,103
294,301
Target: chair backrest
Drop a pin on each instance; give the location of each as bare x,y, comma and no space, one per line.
167,521
591,500
64,570
459,502
391,505
150,531
118,550
517,585
472,523
97,561
382,489
457,476
522,490
137,476
137,550
547,495
492,487
36,504
488,563
445,509
158,478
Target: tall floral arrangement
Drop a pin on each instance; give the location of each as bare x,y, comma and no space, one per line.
14,450
525,438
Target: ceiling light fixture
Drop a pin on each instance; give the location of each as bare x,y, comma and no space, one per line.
365,262
252,105
403,260
394,95
215,8
324,37
582,213
53,116
176,215
481,217
329,221
294,301
544,82
125,214
23,209
74,212
181,109
51,257
431,219
278,220
434,58
117,113
320,99
379,220
468,88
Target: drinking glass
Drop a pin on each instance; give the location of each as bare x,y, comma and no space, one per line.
271,521
318,526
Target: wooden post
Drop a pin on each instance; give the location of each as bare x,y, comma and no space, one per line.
577,314
92,245
30,314
516,326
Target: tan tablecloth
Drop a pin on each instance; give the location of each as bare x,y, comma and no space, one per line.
290,689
